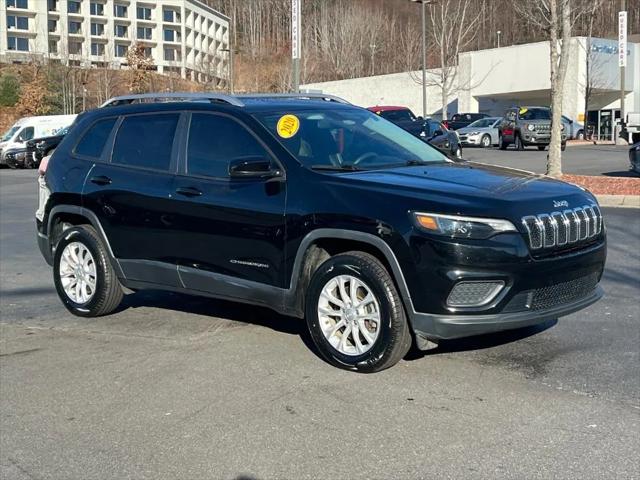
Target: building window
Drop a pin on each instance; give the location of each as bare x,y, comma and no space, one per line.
121,51
20,23
75,27
97,49
53,46
168,15
169,54
120,11
52,25
73,6
97,29
75,48
169,35
52,5
18,4
97,9
18,43
147,52
144,13
121,31
144,33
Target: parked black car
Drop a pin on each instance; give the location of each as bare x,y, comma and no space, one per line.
16,157
460,120
316,209
431,131
38,148
634,157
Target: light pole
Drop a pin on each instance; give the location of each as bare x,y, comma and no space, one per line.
498,32
424,53
229,68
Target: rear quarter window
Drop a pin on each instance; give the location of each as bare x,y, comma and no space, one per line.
94,139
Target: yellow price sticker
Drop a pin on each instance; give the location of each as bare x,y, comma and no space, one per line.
288,126
523,111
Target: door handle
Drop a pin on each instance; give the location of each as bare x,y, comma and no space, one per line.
101,180
188,191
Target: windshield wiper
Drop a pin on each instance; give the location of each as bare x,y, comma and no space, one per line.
336,168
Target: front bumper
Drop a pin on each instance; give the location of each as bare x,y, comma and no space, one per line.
458,326
470,140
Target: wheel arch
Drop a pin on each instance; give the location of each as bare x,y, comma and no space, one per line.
77,215
321,244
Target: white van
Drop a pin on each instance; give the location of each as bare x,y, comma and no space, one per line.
32,127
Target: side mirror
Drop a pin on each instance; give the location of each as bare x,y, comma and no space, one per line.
253,167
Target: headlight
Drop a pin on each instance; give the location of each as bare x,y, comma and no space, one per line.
531,127
472,134
454,226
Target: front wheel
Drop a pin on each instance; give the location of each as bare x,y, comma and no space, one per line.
84,278
485,141
519,144
355,314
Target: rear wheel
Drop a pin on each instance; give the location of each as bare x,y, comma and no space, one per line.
84,278
355,314
486,141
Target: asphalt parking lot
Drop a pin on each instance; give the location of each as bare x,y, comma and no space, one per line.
608,160
173,386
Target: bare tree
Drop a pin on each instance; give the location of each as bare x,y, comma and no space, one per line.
556,18
139,67
454,26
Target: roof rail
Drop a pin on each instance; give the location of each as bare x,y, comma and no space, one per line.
159,97
236,100
302,96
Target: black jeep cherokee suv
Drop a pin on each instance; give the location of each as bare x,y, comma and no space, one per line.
316,209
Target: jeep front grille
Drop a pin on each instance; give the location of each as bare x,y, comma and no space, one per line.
557,229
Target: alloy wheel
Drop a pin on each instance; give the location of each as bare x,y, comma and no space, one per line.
78,273
349,315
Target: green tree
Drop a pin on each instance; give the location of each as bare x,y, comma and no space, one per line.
9,90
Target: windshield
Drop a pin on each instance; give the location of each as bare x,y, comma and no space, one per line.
347,139
535,114
397,115
9,133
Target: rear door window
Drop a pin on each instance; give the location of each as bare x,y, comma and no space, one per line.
146,141
215,141
93,141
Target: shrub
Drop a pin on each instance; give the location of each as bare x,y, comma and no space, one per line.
9,90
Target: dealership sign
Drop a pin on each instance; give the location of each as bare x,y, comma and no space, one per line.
622,39
295,29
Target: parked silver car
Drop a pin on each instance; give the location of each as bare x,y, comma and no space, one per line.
481,133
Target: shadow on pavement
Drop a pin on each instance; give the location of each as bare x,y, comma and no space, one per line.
230,311
623,173
481,342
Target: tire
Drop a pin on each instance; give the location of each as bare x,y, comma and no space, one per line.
518,142
563,147
389,338
105,293
503,144
541,147
580,135
485,141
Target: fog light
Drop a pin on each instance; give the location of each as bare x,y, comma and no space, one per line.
474,293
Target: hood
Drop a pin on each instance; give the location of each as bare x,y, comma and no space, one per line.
472,189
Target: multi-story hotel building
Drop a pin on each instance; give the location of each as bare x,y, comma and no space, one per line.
185,37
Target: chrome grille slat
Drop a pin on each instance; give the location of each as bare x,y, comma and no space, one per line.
558,229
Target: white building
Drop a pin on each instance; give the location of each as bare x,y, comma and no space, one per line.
490,81
182,36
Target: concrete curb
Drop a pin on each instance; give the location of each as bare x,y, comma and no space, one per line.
623,201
